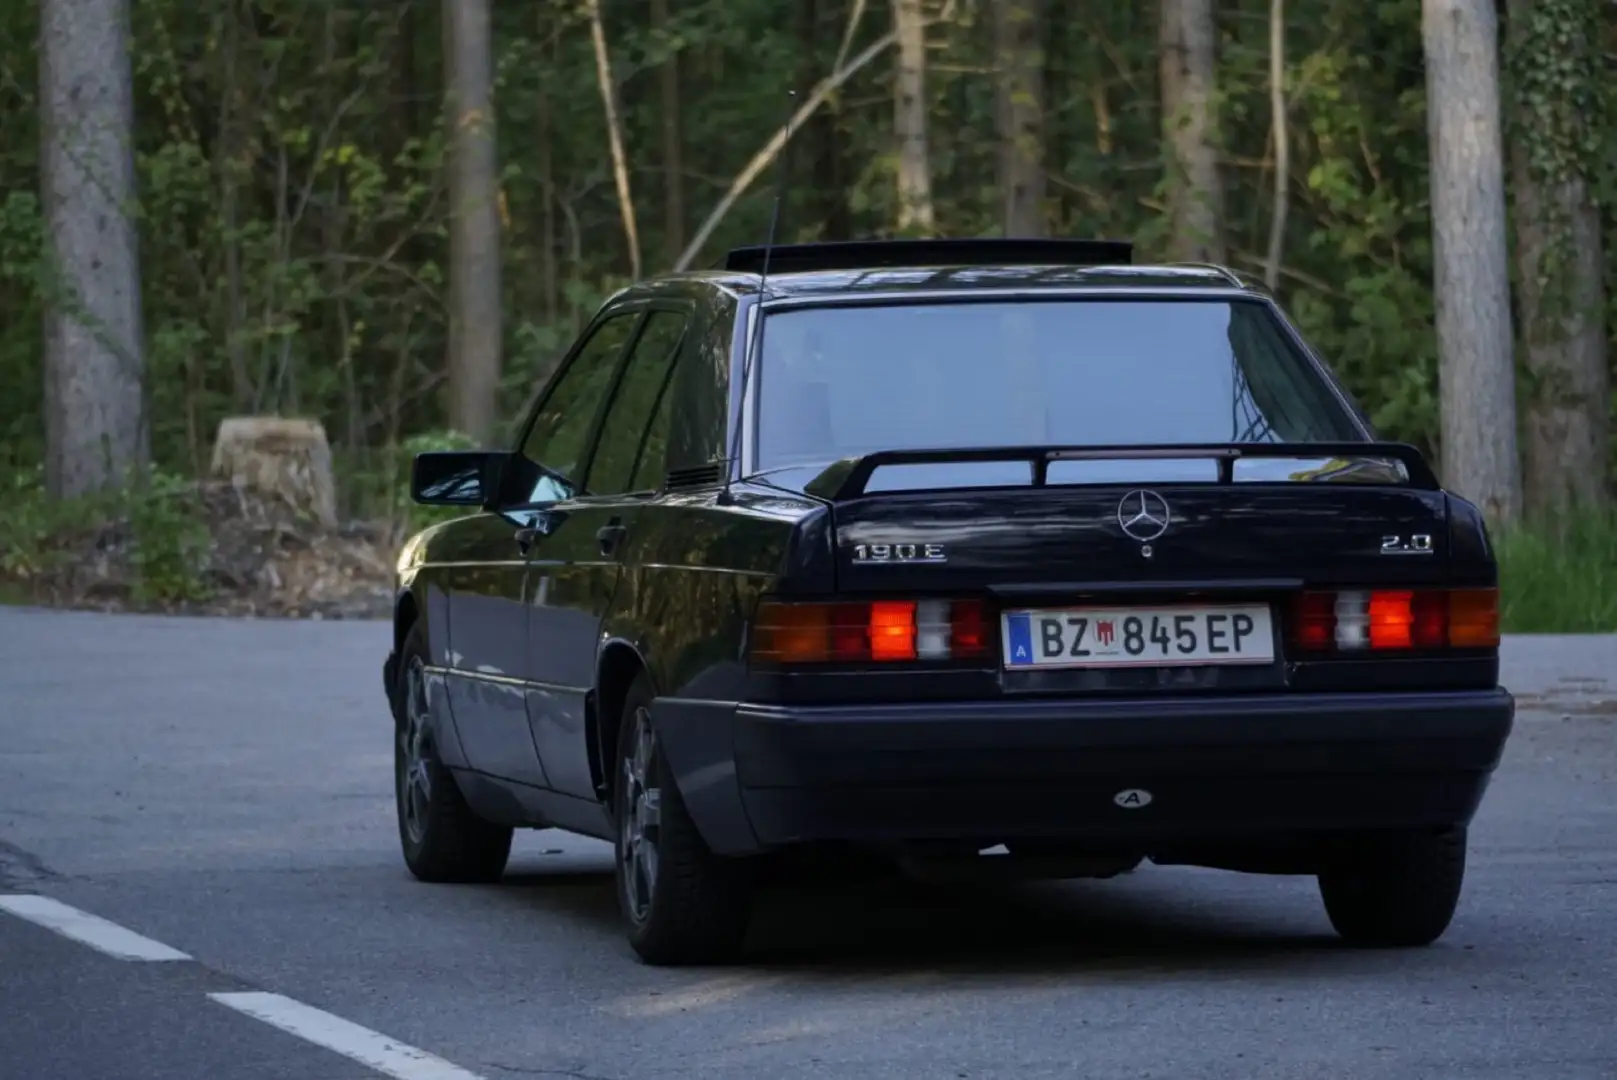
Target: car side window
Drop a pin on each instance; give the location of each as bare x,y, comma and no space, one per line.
613,467
560,434
652,468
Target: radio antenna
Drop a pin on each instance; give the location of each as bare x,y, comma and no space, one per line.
755,338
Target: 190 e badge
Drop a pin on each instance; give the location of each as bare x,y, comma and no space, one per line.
865,554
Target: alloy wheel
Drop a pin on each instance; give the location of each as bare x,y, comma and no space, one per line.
642,819
415,780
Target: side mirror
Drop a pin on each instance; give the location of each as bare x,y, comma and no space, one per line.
456,477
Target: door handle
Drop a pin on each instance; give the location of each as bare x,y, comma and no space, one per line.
611,535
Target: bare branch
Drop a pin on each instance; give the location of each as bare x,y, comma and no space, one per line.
372,265
854,18
761,160
614,134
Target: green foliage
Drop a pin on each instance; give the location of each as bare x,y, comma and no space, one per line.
1555,65
293,197
409,513
169,539
157,524
31,522
1560,578
21,437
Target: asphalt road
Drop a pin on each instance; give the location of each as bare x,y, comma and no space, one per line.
223,789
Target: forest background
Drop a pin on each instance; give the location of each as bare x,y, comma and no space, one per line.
392,217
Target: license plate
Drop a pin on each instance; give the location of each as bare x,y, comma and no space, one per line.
1138,636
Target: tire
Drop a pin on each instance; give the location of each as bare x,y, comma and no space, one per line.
690,907
442,839
1398,891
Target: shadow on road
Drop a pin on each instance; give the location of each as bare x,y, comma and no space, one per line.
899,925
896,926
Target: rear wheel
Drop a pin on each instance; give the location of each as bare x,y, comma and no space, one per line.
1395,891
681,903
442,839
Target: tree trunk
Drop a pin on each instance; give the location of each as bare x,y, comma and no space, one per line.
1476,380
550,286
474,223
96,428
1019,30
673,167
1560,264
827,131
614,135
1058,87
909,119
1189,81
227,155
1282,141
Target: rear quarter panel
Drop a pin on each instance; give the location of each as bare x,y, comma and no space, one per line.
692,578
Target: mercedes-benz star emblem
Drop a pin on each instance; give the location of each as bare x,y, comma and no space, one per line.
1143,515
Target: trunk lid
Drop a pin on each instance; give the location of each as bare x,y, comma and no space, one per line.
1074,540
1115,520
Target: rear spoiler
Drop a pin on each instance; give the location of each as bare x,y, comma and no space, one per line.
849,477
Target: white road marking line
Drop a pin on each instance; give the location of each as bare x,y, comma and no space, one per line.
360,1044
87,929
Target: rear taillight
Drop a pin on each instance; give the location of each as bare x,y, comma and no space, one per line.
1386,620
877,631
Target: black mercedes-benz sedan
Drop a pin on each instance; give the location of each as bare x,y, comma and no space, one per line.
979,556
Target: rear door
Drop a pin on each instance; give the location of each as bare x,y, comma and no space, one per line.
574,574
491,626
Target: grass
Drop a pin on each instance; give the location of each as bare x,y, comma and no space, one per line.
1559,577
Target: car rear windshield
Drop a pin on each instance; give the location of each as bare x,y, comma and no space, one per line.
842,381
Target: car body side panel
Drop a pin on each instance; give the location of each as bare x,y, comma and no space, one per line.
497,799
419,587
693,574
570,587
471,576
418,580
698,740
445,735
1473,561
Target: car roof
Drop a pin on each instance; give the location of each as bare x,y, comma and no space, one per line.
810,283
807,272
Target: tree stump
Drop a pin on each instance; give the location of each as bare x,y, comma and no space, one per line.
279,459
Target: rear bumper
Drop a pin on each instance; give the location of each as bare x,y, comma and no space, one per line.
758,777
